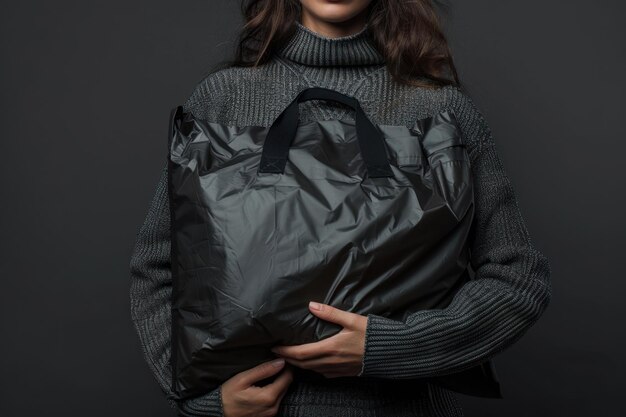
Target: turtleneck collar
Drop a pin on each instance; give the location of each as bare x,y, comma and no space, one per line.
311,48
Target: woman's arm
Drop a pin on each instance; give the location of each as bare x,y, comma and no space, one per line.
150,290
509,293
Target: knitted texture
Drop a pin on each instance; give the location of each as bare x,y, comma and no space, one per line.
508,294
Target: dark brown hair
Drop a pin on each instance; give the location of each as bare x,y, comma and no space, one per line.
407,33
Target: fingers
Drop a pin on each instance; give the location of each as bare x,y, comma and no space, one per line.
311,350
334,314
271,395
261,371
279,386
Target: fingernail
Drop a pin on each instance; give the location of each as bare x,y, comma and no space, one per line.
278,363
315,306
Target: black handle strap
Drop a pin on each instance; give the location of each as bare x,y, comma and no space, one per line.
283,130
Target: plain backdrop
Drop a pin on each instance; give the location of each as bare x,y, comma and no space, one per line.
86,89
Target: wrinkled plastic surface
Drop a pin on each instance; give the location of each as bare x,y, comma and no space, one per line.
251,249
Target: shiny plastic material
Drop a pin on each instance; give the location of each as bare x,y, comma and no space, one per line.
250,249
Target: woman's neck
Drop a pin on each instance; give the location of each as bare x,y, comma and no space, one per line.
311,48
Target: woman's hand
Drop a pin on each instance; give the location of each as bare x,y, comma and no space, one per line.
241,398
335,356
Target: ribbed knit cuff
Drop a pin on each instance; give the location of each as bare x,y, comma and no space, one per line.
209,405
367,326
383,348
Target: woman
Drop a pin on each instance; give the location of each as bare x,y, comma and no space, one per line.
393,57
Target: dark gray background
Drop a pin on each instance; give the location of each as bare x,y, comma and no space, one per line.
86,91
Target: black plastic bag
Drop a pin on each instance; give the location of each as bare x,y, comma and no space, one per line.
367,218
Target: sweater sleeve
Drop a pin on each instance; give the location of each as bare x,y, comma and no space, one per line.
150,291
510,290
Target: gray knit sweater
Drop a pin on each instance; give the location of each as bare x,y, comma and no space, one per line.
511,288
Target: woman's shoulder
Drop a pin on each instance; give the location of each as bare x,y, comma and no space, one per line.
217,87
212,89
422,102
469,116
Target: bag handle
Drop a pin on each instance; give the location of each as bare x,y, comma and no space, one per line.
283,130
